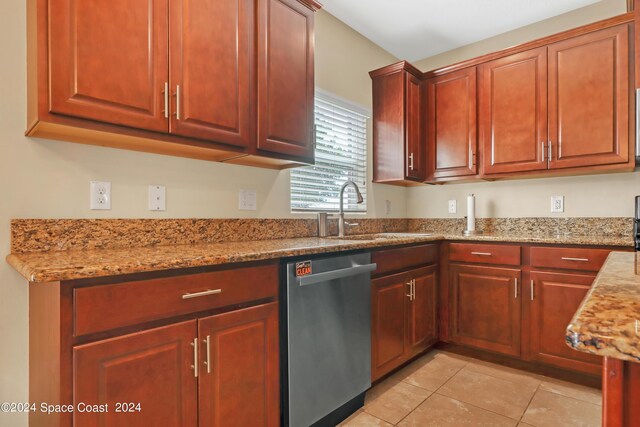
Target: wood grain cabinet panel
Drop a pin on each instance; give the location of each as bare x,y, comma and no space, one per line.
108,61
485,308
152,368
589,99
239,373
554,298
513,112
399,148
422,310
212,70
285,78
451,124
389,323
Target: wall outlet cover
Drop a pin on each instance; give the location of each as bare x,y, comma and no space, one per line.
453,206
557,204
100,195
247,200
387,204
157,198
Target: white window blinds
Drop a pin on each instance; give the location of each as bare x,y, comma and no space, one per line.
341,155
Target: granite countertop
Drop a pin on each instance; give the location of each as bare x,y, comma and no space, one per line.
608,321
54,266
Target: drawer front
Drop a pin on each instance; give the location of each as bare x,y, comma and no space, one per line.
485,254
585,259
404,258
105,307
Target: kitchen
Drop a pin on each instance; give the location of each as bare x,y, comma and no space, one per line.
185,204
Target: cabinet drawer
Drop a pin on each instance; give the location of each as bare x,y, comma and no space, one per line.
404,258
105,307
485,254
586,259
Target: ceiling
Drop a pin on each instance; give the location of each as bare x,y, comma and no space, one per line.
416,29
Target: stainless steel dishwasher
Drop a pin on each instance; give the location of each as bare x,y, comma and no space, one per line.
326,338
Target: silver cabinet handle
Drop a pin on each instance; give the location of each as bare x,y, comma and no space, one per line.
410,294
208,361
515,287
575,259
544,148
336,274
178,102
411,161
532,285
413,289
202,294
550,151
194,344
166,100
481,253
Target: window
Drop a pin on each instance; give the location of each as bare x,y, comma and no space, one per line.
341,155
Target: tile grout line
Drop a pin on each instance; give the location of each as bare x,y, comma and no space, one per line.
529,404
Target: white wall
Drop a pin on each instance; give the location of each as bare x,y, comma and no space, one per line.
594,195
50,179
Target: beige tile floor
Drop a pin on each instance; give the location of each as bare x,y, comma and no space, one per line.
444,389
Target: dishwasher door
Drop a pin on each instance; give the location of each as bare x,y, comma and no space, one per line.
329,335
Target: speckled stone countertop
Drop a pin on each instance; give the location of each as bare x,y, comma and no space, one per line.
608,321
51,266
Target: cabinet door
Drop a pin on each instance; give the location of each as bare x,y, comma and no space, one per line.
451,124
415,143
109,61
212,70
485,308
239,370
285,78
422,309
153,368
555,297
589,99
513,112
389,298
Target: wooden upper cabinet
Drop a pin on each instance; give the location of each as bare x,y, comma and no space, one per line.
555,297
485,308
512,113
451,124
108,61
212,70
399,147
589,99
152,368
285,78
239,382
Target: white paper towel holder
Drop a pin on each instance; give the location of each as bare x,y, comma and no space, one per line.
471,232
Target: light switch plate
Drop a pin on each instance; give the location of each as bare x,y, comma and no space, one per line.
557,204
157,198
100,196
453,206
247,200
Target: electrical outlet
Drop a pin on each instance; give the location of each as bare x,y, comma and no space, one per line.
157,198
100,195
453,206
557,204
387,204
247,200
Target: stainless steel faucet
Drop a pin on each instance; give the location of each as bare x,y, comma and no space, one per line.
341,222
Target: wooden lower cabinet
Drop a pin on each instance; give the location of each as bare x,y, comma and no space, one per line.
403,318
485,308
239,378
152,369
554,299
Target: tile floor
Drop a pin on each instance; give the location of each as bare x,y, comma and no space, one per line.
444,389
